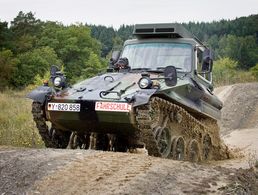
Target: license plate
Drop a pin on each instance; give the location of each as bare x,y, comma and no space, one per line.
68,107
113,107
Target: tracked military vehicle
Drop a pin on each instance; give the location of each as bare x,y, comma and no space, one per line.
156,93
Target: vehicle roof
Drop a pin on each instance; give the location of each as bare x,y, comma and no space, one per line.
164,40
163,32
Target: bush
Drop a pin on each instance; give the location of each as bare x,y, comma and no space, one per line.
225,72
254,71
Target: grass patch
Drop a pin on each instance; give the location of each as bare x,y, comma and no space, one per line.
233,78
225,72
17,127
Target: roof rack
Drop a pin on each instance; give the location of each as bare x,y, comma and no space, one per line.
162,30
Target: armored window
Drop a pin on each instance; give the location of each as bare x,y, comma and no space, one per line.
158,55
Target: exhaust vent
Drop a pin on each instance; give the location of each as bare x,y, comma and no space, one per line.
144,30
165,30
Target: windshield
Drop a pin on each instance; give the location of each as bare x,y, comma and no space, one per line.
159,55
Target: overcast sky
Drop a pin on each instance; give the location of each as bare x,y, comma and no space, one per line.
117,12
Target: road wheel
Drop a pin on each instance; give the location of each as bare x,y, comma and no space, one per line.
178,148
194,151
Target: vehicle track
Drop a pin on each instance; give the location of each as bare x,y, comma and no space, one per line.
170,131
50,136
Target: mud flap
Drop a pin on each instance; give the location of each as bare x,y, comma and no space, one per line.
143,96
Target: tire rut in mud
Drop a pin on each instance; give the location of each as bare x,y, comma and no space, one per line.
102,173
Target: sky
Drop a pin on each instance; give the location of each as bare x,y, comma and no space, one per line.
117,12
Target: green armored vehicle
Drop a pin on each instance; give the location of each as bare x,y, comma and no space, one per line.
156,93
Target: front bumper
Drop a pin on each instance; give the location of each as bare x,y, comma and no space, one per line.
90,120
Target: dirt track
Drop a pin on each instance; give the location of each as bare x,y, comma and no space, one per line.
49,171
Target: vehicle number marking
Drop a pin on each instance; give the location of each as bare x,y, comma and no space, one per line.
113,106
69,107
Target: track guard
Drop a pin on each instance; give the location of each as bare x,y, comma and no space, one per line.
40,94
143,96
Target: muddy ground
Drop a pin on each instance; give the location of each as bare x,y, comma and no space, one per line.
51,171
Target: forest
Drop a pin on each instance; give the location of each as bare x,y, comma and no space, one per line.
29,46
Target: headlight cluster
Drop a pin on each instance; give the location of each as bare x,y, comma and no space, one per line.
57,78
145,83
59,81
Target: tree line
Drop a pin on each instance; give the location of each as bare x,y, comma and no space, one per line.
29,46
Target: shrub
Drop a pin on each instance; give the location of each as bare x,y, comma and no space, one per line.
225,72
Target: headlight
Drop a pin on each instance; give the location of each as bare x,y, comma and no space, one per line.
145,83
58,81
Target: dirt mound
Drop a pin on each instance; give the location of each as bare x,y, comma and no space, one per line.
239,124
26,171
106,173
240,110
20,167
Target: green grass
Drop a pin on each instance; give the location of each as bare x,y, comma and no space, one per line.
233,77
225,72
17,127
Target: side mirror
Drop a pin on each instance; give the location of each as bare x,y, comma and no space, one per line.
170,76
53,70
207,61
115,56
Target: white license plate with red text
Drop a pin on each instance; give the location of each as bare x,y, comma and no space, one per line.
68,107
113,106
